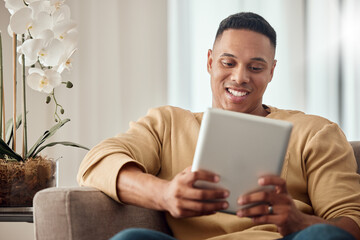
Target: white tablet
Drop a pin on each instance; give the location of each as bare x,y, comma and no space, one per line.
240,148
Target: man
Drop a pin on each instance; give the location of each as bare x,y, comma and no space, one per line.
149,165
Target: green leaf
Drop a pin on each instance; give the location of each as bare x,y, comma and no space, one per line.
6,150
71,144
9,128
45,136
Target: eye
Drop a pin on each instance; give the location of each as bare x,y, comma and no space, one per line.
256,68
227,63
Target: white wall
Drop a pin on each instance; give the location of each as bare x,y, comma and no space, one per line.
118,73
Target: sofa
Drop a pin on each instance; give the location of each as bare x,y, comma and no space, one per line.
83,213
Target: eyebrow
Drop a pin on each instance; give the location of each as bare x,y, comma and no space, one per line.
228,55
260,59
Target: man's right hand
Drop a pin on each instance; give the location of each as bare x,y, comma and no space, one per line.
179,196
181,199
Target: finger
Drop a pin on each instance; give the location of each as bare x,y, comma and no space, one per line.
255,197
270,197
188,170
205,194
201,207
258,210
277,181
278,217
188,213
205,176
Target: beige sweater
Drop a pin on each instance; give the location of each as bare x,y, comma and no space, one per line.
319,168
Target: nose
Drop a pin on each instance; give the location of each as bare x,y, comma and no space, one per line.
240,74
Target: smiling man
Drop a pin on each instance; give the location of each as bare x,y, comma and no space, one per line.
241,70
317,195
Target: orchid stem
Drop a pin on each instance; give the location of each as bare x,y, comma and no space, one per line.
14,90
2,130
24,146
56,115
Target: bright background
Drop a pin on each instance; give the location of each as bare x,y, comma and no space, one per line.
138,54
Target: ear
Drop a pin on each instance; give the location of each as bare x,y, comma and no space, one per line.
209,61
272,69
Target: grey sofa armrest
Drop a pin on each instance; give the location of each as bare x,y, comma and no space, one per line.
356,147
86,213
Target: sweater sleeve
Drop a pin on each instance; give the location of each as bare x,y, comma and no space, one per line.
141,144
333,184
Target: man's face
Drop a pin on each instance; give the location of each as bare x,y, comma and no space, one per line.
241,65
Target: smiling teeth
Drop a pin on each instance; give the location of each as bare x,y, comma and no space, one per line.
237,93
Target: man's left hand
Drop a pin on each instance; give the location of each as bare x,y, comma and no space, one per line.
276,206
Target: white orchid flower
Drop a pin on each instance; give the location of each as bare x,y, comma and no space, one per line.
49,41
62,24
14,5
51,54
65,61
63,28
47,36
70,43
32,1
59,22
61,13
34,18
47,49
21,20
56,4
39,6
30,48
43,81
41,23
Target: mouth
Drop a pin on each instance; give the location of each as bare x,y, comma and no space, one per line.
237,93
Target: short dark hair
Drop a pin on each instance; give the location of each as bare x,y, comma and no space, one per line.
250,21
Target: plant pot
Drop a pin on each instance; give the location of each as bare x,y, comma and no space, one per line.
19,181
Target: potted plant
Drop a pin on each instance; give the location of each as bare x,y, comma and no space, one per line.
44,39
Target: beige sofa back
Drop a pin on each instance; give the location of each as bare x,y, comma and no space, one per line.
356,147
